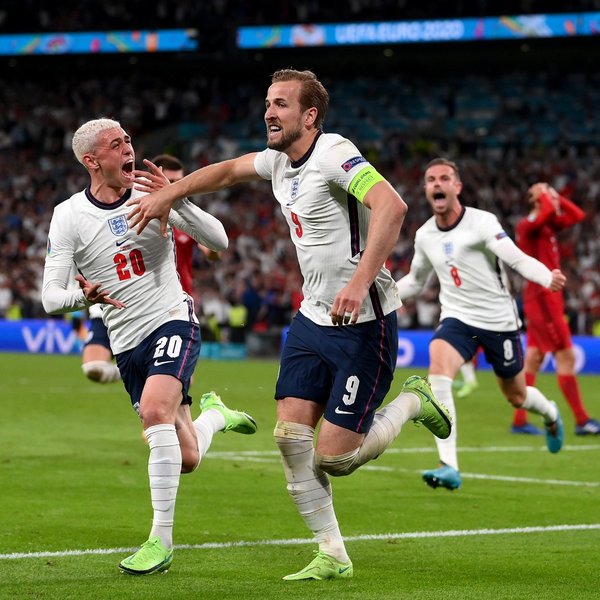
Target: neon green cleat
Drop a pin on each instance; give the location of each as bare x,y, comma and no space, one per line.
152,557
322,567
235,420
466,389
434,415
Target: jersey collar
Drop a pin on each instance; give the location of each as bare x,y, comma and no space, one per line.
460,218
104,205
303,159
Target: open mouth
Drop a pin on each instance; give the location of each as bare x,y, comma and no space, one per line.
439,196
128,168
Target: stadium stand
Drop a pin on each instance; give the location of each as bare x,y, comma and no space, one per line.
506,126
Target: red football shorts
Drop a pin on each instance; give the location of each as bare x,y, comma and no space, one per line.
547,328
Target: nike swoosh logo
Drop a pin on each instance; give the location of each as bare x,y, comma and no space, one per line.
157,363
343,570
339,411
510,362
122,242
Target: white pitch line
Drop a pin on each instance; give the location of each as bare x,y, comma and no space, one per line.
298,541
487,476
272,456
425,450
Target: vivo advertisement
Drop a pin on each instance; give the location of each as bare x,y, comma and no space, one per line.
54,336
399,32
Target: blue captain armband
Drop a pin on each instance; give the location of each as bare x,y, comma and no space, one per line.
363,182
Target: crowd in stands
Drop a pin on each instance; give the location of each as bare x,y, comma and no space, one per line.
505,133
20,16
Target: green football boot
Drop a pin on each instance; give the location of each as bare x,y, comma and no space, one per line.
322,567
433,414
235,420
152,557
466,389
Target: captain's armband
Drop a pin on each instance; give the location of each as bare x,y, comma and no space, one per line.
363,182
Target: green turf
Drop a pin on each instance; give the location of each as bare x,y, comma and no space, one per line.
73,477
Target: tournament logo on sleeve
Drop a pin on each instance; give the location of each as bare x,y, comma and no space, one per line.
350,164
501,235
118,225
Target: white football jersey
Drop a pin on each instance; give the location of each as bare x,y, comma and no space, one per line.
138,270
465,259
327,225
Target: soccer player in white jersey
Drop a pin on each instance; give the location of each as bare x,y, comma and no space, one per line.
152,327
339,357
97,357
464,246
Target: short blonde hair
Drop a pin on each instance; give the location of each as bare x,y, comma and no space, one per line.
86,137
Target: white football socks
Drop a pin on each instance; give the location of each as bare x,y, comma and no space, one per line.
537,403
441,386
387,425
206,425
164,470
308,487
468,372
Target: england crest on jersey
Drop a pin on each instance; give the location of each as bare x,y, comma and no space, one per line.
118,225
294,188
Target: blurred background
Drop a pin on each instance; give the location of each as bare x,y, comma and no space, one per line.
512,99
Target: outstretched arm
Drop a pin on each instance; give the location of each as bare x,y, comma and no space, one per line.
207,179
199,225
191,219
527,266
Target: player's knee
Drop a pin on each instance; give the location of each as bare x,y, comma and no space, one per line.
288,433
517,398
295,443
189,461
338,466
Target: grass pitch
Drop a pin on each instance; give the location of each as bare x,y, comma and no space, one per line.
75,500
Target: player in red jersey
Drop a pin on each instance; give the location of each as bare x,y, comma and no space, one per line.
547,329
172,168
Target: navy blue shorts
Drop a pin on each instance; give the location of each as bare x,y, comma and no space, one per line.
172,349
502,349
347,369
98,334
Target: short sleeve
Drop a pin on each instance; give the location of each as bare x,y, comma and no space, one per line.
341,162
263,164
